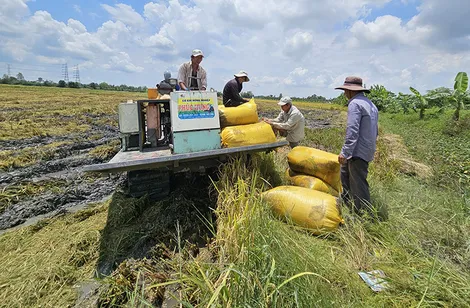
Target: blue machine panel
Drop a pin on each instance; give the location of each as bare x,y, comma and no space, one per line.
196,141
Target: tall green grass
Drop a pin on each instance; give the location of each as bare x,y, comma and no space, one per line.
265,263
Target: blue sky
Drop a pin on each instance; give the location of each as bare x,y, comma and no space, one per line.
297,48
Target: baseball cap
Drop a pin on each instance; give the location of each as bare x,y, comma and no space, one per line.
285,100
197,52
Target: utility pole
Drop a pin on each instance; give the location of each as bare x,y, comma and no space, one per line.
65,72
76,74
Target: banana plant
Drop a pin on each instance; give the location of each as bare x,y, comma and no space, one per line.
422,102
460,94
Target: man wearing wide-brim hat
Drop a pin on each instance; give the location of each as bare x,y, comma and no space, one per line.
359,145
232,89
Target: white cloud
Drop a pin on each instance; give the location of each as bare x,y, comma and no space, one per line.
77,8
299,45
122,62
124,13
299,71
286,46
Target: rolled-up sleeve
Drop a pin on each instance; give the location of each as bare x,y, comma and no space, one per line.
352,129
182,75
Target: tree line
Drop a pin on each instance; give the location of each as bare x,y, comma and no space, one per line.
441,98
20,80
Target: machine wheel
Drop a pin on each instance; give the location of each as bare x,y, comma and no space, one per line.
155,183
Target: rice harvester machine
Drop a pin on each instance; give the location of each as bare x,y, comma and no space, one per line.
170,132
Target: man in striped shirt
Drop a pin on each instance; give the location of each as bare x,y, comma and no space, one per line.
191,75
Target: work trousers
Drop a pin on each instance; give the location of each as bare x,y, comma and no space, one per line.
355,185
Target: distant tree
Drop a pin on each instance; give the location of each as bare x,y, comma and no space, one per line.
248,94
72,84
62,84
93,85
406,102
457,98
104,86
381,97
422,102
49,83
341,100
40,80
20,76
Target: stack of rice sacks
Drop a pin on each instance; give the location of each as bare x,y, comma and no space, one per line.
240,126
311,202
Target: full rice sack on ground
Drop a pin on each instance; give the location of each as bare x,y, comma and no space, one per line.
317,163
311,209
311,182
244,135
246,113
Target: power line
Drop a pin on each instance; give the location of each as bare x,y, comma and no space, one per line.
28,64
30,69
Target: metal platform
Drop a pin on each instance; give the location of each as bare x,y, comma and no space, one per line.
161,157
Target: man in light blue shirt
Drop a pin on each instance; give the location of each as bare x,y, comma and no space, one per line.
359,145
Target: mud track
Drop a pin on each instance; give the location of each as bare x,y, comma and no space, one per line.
61,172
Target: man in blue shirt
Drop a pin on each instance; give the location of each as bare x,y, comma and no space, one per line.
359,145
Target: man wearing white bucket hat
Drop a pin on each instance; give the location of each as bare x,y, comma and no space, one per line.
232,89
290,122
191,75
359,145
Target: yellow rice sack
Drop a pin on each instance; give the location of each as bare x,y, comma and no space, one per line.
244,114
317,163
244,135
311,182
315,210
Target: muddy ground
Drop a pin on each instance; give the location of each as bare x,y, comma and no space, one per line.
313,118
69,187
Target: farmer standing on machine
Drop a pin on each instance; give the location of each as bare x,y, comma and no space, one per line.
191,75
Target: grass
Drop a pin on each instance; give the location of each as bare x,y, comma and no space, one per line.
13,193
265,263
269,105
41,264
13,159
44,111
438,142
106,151
251,259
